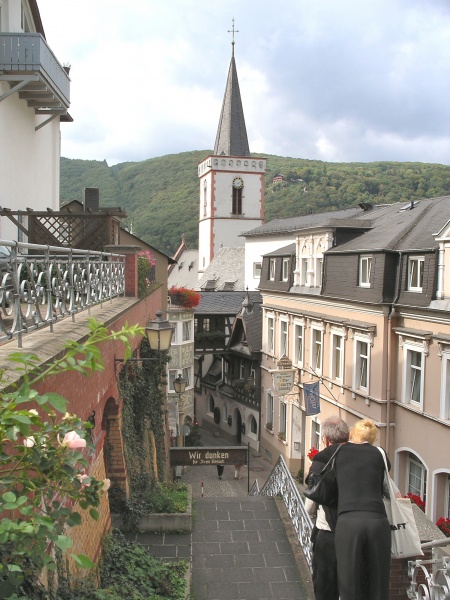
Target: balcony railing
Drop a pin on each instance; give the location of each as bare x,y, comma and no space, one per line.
43,284
28,63
280,483
430,577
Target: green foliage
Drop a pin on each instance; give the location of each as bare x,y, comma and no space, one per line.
127,570
166,498
146,273
310,186
143,429
42,462
194,439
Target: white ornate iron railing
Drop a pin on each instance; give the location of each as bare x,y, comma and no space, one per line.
280,483
42,284
430,577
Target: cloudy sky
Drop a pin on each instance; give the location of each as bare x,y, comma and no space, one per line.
341,81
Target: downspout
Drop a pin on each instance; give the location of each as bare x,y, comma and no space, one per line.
389,350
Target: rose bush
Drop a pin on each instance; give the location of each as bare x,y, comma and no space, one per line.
42,462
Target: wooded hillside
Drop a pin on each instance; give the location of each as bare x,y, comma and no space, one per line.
161,194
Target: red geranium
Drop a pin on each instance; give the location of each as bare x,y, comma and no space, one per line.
444,525
312,453
416,500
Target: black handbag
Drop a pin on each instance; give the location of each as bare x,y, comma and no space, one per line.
322,487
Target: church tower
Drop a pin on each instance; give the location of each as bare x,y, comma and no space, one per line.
231,181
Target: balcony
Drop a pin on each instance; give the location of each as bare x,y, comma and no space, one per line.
40,285
32,70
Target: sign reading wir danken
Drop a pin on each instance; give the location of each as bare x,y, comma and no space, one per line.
230,455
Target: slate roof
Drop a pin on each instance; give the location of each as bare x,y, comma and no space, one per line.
291,224
399,227
384,227
231,139
283,251
224,303
228,266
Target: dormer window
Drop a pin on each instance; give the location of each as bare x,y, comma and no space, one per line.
285,274
272,265
365,268
415,273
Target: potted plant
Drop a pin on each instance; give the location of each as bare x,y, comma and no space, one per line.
282,436
269,425
184,297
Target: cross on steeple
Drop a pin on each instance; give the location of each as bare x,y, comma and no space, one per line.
233,31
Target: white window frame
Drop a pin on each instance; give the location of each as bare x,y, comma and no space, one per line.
299,336
415,274
445,386
319,271
241,369
285,271
419,491
269,408
271,335
272,268
365,270
409,374
257,270
174,325
187,331
358,360
316,433
171,378
186,373
316,347
337,356
252,372
284,337
304,278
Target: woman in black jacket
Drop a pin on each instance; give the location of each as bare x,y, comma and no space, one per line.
363,533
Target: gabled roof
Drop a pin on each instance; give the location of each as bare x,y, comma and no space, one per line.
285,251
328,219
227,266
231,138
185,272
223,303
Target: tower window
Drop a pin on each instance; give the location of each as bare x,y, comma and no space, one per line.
237,201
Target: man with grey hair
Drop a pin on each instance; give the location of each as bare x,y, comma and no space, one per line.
334,432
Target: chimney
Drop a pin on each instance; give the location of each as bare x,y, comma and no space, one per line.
91,199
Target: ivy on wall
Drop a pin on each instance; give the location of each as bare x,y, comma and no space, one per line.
143,428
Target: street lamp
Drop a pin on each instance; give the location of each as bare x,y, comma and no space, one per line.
179,385
159,335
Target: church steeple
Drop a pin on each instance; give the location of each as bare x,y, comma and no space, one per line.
231,139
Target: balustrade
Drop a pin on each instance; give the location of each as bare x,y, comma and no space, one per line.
42,284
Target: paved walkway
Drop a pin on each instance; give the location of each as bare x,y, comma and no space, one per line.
239,548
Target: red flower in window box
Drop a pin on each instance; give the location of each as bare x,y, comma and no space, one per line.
184,297
416,500
311,454
444,525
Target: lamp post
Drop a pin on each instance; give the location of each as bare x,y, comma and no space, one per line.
179,385
159,335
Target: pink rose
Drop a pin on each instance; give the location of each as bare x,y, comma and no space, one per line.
82,478
72,440
29,442
106,485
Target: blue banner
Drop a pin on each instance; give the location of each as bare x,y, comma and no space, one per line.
312,399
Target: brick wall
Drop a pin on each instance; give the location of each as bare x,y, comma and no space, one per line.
99,393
